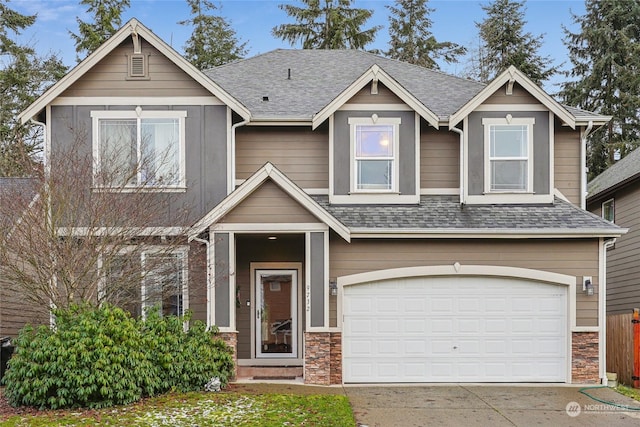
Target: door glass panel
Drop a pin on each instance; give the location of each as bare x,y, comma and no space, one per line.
275,323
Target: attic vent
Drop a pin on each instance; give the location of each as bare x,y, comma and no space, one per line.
137,66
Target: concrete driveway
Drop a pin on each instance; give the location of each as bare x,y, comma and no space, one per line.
488,405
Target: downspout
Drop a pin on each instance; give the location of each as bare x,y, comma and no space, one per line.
47,175
232,184
210,295
461,133
583,165
602,312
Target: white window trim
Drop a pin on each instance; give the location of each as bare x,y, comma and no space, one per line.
519,121
183,252
613,206
138,114
371,121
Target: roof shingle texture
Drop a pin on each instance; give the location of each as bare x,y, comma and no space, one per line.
625,169
319,76
445,213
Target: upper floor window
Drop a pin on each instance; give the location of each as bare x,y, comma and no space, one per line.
374,149
608,210
139,148
508,154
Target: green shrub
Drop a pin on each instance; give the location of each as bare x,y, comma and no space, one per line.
99,357
93,358
185,361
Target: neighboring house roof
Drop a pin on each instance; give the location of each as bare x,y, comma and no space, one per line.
319,76
621,173
442,215
14,188
133,27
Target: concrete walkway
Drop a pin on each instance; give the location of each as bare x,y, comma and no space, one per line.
488,405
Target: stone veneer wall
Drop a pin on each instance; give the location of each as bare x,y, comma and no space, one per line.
231,339
585,358
323,358
336,358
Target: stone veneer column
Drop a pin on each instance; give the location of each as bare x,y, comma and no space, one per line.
585,358
335,358
317,358
231,339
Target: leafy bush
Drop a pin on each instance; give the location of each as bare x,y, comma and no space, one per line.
99,357
185,361
93,358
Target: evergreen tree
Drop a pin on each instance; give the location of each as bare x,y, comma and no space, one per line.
107,18
411,37
23,77
605,54
505,43
327,24
213,42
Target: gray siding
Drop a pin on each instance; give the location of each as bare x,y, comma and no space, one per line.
222,291
623,265
540,149
205,154
578,257
342,155
317,279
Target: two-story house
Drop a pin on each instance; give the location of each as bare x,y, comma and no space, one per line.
363,219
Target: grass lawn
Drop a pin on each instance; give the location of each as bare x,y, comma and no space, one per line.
633,393
242,406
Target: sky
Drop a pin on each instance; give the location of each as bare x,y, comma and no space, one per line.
453,20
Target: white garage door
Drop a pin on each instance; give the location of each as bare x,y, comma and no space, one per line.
446,329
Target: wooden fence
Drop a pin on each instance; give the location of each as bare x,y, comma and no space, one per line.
620,346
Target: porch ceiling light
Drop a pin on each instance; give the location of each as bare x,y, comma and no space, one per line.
272,238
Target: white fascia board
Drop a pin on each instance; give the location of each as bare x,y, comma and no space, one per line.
375,72
517,233
268,171
110,231
133,26
513,74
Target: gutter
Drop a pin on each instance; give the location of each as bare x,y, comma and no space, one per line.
210,289
232,181
462,168
583,165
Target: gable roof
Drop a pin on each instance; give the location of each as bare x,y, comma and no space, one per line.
132,27
621,173
511,75
266,172
319,76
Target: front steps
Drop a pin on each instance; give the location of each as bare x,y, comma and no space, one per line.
266,373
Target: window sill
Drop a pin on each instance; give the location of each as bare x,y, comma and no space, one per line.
509,198
139,189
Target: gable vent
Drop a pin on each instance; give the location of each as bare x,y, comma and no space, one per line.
137,66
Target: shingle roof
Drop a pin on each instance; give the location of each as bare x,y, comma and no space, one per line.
17,192
443,213
319,76
624,170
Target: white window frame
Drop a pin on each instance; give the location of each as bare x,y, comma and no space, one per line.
138,114
611,202
374,120
488,123
155,250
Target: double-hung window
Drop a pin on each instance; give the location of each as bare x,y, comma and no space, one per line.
508,155
374,148
139,149
608,210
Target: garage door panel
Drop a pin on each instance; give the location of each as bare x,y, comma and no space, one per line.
445,329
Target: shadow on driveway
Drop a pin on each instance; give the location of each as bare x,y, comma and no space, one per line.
488,405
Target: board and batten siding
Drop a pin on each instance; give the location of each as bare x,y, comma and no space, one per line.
519,96
109,77
439,157
384,96
567,163
300,153
623,266
269,204
575,258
